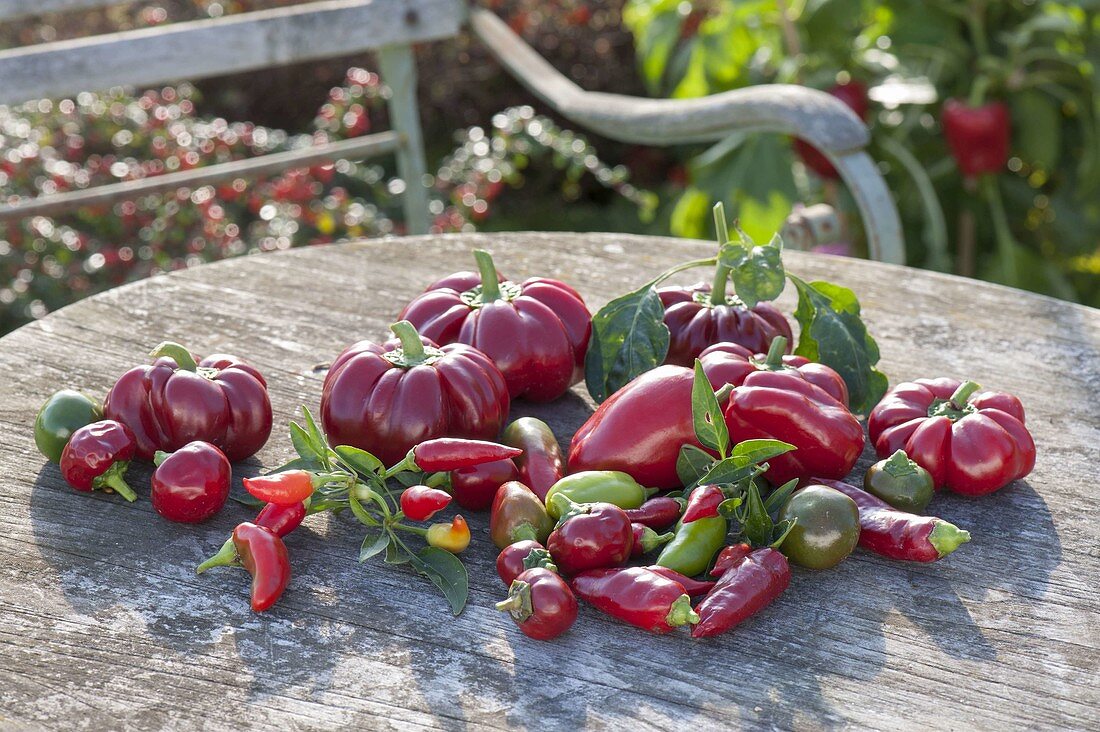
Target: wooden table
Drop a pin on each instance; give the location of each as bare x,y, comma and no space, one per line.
106,625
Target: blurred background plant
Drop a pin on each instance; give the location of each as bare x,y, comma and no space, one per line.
1033,221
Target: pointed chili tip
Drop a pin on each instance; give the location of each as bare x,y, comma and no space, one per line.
946,537
681,612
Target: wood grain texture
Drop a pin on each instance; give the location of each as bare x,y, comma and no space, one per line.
106,626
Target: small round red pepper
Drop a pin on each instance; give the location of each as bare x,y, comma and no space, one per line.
475,487
541,604
96,458
637,596
590,536
744,589
703,502
657,513
453,537
978,136
451,453
283,489
420,503
541,465
191,484
515,559
264,555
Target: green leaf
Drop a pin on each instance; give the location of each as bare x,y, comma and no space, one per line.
629,337
692,464
446,572
357,509
727,472
304,446
395,554
756,524
833,334
706,413
375,542
361,461
729,507
779,496
750,452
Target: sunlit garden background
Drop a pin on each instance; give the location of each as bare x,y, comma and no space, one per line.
498,162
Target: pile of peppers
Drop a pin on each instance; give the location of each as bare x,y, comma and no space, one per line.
692,497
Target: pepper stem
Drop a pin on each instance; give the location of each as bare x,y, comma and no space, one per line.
723,394
411,529
651,539
947,537
963,393
518,602
411,345
680,613
224,557
721,272
776,351
523,532
490,280
113,479
177,353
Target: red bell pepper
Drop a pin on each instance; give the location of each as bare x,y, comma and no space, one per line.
736,363
972,442
541,604
96,457
536,331
387,398
853,94
977,136
638,596
220,400
744,589
591,536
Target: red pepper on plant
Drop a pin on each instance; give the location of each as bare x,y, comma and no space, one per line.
176,400
285,488
590,536
733,364
541,604
517,558
978,135
453,537
191,484
703,502
535,331
638,596
420,503
449,454
475,487
854,95
96,457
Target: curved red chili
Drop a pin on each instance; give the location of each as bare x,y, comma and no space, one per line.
283,489
693,587
657,513
638,596
444,454
743,590
280,520
541,604
541,465
264,555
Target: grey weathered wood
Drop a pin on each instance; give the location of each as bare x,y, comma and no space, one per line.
357,148
105,626
16,9
398,67
201,48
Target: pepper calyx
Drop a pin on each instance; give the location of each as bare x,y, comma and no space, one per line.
412,351
681,612
225,557
539,558
946,537
112,479
958,405
899,465
518,602
491,288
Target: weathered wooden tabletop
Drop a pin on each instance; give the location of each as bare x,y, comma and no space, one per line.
103,623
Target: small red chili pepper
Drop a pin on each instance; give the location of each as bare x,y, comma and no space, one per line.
729,557
96,457
453,537
191,484
280,520
657,513
475,487
646,539
282,489
264,555
517,558
896,534
703,503
420,503
590,536
693,587
541,465
451,453
541,604
744,589
637,596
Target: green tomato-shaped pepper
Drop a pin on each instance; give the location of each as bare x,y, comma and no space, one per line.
826,527
900,482
63,413
694,545
597,486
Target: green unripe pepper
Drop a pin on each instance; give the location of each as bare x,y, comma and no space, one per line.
598,486
826,528
61,415
694,545
900,482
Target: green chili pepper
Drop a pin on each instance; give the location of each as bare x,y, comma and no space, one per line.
598,486
61,415
694,545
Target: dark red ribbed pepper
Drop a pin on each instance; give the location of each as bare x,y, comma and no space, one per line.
96,457
736,363
744,589
638,596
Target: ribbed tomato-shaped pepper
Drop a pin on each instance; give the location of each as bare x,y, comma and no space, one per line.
735,363
972,442
535,331
387,398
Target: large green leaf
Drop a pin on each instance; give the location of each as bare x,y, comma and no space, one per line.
446,572
706,413
629,337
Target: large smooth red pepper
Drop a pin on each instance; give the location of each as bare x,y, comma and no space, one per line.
896,534
536,331
744,589
264,555
590,536
191,484
541,465
853,94
977,136
96,457
387,398
638,596
220,400
972,442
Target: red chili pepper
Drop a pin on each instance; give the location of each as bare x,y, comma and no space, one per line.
264,555
896,534
96,457
972,442
220,400
978,136
735,363
283,489
453,537
541,604
387,398
729,557
853,94
541,465
638,596
191,484
535,331
517,558
475,487
646,539
693,587
591,536
448,453
744,589
657,513
703,502
281,519
420,503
